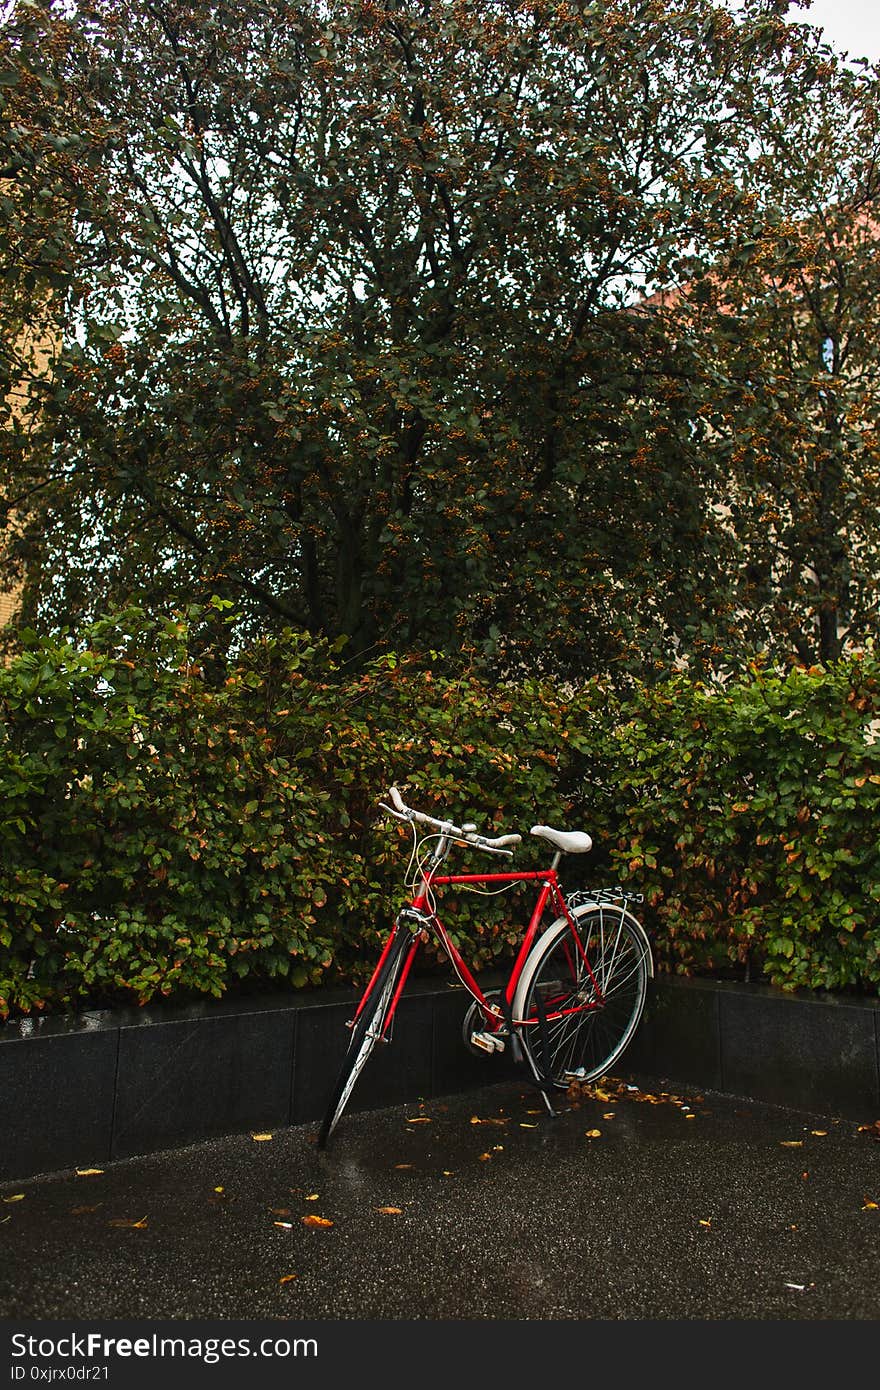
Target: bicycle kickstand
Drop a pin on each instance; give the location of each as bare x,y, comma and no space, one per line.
523,1057
519,1054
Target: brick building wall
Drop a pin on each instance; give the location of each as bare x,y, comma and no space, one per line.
36,352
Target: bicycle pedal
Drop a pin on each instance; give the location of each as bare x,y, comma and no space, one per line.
489,1042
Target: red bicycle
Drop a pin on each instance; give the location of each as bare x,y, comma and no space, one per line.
577,988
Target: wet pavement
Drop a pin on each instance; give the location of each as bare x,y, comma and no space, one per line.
632,1204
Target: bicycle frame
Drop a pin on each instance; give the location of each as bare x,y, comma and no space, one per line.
546,1013
420,912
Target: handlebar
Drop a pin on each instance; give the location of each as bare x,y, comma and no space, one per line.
401,811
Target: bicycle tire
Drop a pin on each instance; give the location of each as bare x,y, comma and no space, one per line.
574,1042
365,1034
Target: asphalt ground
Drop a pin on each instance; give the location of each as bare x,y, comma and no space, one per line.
631,1204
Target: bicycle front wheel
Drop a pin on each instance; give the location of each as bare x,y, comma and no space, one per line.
366,1032
580,999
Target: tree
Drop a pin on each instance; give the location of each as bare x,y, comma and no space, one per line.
786,326
353,290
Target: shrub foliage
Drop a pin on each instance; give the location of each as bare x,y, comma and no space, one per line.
749,816
175,829
169,828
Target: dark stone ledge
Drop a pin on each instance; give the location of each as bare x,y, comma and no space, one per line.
79,1091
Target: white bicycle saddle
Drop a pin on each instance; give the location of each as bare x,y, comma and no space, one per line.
568,841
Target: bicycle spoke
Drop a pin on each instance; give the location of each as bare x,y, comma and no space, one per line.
582,1006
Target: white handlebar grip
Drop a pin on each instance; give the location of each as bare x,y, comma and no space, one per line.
397,799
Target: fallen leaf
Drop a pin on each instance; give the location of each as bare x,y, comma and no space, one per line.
819,1133
286,1278
219,1189
81,1211
283,1225
527,1124
593,1133
800,1287
390,1211
690,1117
792,1228
261,1138
869,1205
401,1166
484,1157
448,1173
315,1221
791,1143
280,1211
87,1172
609,1114
16,1197
705,1223
421,1120
497,1148
4,1220
127,1221
312,1197
804,1177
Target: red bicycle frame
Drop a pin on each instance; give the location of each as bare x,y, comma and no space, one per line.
420,911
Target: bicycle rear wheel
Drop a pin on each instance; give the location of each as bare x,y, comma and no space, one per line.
366,1032
575,1024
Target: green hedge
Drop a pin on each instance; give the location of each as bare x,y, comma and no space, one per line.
174,829
750,815
169,828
